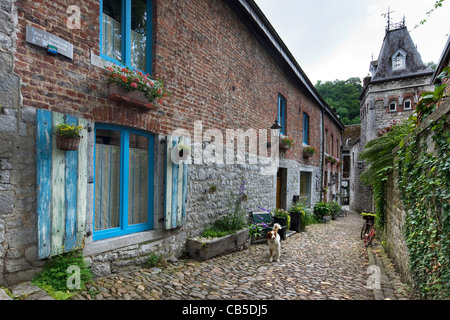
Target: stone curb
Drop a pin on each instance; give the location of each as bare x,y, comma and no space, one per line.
391,288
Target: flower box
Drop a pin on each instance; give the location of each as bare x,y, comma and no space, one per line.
132,98
307,154
308,151
284,146
203,249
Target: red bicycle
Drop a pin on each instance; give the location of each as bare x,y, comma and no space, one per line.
368,230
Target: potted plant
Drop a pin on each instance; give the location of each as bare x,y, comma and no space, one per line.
134,87
68,137
286,143
296,213
309,151
282,217
328,158
335,209
322,210
255,232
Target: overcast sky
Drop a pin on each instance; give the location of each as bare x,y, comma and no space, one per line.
335,39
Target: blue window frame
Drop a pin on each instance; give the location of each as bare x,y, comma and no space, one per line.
282,113
305,128
123,181
126,33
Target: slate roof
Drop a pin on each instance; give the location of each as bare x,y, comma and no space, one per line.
393,41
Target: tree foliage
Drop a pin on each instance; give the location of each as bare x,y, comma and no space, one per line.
343,97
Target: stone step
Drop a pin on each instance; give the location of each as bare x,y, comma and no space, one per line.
4,295
29,291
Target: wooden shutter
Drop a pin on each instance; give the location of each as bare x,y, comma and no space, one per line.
176,185
61,187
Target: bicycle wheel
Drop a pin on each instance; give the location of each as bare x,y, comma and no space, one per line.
364,230
369,238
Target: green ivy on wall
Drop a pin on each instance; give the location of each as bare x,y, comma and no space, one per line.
424,184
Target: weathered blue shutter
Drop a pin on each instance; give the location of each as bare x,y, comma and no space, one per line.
176,185
61,187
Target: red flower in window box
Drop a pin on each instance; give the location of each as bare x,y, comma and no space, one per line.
134,88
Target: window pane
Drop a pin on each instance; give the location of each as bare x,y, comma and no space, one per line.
112,29
139,34
305,128
138,180
107,179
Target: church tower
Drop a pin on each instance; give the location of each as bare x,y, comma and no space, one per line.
390,94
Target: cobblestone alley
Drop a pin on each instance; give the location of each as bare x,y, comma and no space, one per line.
328,261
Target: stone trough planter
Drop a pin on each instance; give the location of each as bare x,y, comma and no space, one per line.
203,249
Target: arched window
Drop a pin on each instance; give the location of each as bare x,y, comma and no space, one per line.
392,106
407,105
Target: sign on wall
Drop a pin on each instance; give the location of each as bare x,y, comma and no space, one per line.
49,41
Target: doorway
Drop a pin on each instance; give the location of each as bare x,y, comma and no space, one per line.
281,188
305,187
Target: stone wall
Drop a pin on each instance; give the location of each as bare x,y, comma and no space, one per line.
395,215
17,160
395,244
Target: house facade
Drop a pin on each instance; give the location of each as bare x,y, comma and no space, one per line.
390,95
127,191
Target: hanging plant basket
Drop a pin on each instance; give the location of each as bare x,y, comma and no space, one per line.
67,144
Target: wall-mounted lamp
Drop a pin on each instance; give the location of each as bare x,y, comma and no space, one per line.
360,164
276,126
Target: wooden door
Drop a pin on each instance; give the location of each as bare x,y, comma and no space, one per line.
278,192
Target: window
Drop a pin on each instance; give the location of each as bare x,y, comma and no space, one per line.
305,128
123,181
407,104
305,187
332,145
393,106
282,114
327,150
399,60
126,32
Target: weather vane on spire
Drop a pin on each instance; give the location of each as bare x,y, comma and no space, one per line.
390,25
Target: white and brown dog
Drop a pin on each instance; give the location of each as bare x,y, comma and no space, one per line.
273,240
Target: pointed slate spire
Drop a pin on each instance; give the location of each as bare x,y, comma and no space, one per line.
398,57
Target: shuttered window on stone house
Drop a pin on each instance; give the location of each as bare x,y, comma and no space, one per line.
61,187
123,179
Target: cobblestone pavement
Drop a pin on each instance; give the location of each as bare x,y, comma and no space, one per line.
327,261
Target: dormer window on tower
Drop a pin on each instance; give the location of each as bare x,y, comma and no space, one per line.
399,60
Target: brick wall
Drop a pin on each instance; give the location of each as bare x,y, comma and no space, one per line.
216,71
333,149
